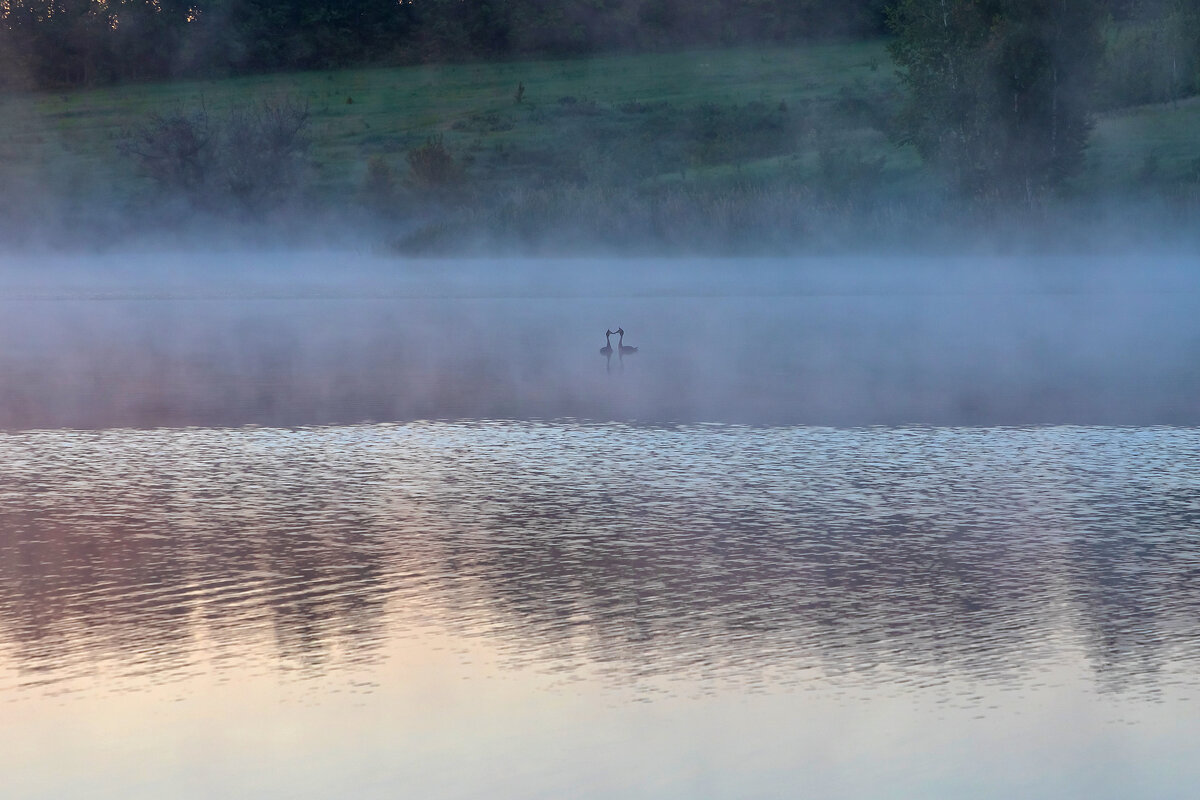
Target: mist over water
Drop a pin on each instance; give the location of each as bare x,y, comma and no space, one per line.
277,339
907,505
883,527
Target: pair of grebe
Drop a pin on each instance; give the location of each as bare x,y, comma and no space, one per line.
622,348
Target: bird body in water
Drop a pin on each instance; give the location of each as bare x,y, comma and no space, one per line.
622,348
607,349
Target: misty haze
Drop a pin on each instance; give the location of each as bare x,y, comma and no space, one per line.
625,399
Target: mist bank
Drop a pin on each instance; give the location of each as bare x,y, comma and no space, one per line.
289,339
568,223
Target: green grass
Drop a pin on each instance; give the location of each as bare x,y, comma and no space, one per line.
55,137
1149,144
690,134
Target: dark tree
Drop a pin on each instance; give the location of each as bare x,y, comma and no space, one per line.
60,42
999,90
248,161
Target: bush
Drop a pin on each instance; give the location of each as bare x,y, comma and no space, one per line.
253,156
262,153
379,185
173,151
432,166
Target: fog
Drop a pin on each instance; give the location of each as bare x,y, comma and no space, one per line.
318,468
292,339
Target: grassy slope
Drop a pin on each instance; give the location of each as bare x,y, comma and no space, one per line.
66,141
1144,144
53,136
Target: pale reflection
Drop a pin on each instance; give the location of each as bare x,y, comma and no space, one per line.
751,557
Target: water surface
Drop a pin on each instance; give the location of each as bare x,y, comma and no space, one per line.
524,609
310,526
282,340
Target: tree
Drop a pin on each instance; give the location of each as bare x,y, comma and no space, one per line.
999,90
68,42
254,156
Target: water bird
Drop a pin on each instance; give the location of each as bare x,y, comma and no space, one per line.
622,348
607,349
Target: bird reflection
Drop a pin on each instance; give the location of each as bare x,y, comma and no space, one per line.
607,351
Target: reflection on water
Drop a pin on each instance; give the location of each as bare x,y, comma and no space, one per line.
710,555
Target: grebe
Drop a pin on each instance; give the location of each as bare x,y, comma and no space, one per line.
622,348
607,349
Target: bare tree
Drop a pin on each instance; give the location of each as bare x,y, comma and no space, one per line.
251,159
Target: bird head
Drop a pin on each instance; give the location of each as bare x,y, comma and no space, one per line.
621,331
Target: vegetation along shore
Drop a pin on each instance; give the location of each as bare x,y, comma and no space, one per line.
870,129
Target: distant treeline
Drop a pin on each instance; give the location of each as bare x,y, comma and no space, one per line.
72,42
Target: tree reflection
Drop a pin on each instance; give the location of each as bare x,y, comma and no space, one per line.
735,554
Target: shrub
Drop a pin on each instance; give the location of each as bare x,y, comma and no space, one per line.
262,152
432,166
379,185
253,156
173,151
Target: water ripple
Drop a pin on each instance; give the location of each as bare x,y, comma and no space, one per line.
890,556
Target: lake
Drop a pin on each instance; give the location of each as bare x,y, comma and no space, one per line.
407,533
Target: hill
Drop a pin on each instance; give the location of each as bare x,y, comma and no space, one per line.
807,125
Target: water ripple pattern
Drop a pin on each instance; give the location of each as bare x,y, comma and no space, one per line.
893,557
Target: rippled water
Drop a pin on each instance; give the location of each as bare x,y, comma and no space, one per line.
463,609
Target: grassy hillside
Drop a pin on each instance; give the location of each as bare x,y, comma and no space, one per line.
790,118
1145,145
592,108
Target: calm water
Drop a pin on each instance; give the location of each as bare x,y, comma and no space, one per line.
516,609
146,342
